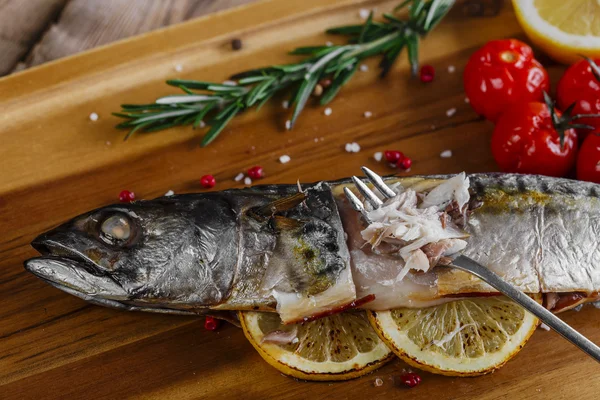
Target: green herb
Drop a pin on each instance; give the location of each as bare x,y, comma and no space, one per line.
220,103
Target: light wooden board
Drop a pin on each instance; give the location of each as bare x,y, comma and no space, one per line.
56,163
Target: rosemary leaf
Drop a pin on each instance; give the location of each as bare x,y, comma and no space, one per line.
218,126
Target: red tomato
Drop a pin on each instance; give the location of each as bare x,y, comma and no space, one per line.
579,85
525,141
588,160
501,73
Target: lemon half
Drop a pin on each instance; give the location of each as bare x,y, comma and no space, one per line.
564,29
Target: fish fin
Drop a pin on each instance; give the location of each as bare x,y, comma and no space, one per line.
283,223
279,205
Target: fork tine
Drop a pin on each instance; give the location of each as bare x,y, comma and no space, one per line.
356,203
378,182
370,196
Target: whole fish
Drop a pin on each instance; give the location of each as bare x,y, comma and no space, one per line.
301,250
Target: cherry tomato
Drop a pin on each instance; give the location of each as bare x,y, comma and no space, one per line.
525,141
502,73
579,85
588,160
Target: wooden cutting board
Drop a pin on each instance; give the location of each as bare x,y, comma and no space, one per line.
56,163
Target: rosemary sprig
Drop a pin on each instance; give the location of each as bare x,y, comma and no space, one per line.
220,103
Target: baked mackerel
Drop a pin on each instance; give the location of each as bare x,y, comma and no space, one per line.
303,252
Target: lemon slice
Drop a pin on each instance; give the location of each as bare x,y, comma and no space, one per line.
564,29
462,338
339,347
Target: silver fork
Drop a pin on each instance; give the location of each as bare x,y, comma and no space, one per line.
467,264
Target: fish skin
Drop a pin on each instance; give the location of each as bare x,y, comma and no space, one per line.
195,252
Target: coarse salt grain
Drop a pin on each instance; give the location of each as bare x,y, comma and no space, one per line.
544,326
288,124
108,143
451,69
446,154
327,111
467,100
364,67
170,193
450,112
93,117
247,181
178,67
364,13
378,382
378,156
284,159
368,114
316,140
239,177
352,147
285,104
202,124
328,44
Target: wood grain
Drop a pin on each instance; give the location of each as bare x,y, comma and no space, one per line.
56,163
21,24
84,24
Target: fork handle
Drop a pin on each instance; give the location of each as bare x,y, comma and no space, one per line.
467,264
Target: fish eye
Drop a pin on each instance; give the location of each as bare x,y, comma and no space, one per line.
116,229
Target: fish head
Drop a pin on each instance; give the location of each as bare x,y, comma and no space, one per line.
159,255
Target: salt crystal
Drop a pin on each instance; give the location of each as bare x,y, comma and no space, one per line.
467,100
328,44
446,154
239,177
202,124
450,112
247,181
178,67
288,124
544,326
285,104
170,193
328,111
284,159
378,382
378,156
578,308
93,117
108,143
364,67
316,140
295,340
364,13
368,114
230,83
596,304
451,69
352,147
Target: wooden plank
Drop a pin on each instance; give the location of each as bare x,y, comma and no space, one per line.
86,24
56,163
21,24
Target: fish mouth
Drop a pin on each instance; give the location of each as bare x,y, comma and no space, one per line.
74,273
71,271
